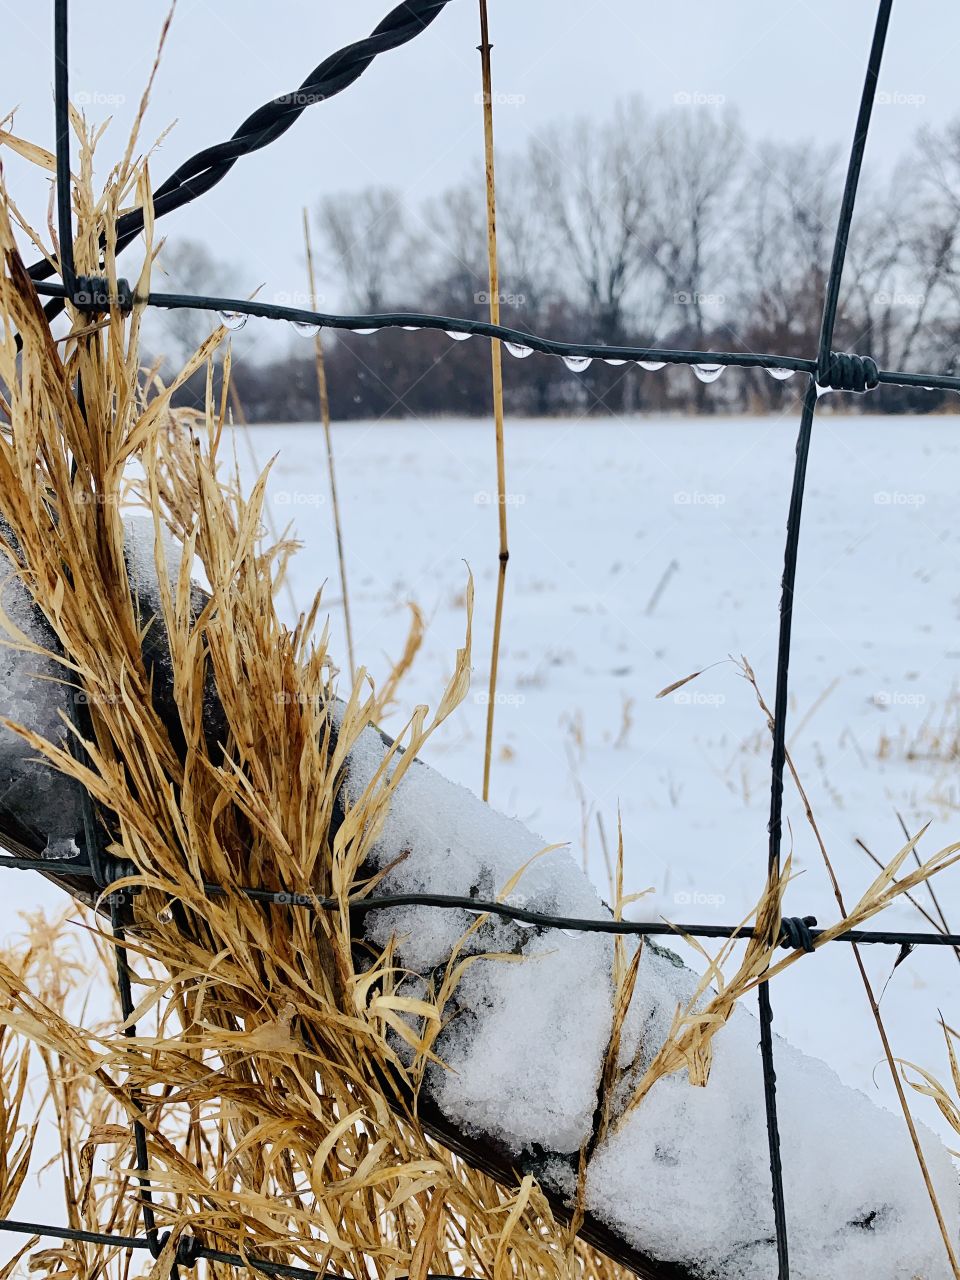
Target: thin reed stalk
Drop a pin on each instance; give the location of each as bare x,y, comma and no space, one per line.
324,397
496,359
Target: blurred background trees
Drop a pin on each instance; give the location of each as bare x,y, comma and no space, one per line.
668,228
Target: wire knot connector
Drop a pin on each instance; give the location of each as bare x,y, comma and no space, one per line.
93,293
848,373
114,869
188,1250
795,933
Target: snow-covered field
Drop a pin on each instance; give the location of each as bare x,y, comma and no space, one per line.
598,511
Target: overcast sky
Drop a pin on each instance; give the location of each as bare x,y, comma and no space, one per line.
793,68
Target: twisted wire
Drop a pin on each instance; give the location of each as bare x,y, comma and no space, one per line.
848,373
206,168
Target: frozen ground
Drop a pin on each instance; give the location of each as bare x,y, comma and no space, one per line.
598,511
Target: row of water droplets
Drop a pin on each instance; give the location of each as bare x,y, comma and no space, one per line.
576,364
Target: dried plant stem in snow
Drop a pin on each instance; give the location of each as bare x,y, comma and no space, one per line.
867,985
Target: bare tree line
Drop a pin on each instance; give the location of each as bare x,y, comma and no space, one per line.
669,228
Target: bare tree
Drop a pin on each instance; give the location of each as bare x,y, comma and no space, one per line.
529,269
608,229
783,224
369,244
592,184
695,156
934,246
903,279
455,235
879,292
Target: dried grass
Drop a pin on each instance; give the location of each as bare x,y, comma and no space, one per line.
946,1097
269,1076
269,1079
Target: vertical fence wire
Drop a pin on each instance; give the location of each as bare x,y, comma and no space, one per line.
139,1132
61,90
779,751
93,835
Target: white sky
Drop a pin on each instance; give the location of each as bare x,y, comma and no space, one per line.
792,67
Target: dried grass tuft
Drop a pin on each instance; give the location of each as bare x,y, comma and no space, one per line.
268,1080
945,1097
267,1073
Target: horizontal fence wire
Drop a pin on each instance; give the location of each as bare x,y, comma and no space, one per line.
359,907
206,168
522,340
828,371
189,1251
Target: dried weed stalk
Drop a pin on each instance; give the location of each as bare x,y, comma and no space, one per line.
269,1077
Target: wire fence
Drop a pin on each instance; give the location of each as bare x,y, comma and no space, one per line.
827,370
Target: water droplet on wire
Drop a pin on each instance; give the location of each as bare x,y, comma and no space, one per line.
608,360
458,337
411,328
781,375
822,391
651,366
577,364
233,319
708,372
306,328
365,332
519,350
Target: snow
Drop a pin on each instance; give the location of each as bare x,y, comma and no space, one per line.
140,554
457,845
462,848
597,512
685,1177
689,1171
523,1057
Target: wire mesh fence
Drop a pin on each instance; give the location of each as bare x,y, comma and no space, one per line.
824,370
